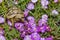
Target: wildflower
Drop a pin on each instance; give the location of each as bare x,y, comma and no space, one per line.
2,20
27,37
35,36
34,29
25,23
49,38
1,1
9,22
42,22
30,6
2,37
45,17
43,28
34,1
55,12
23,34
1,31
31,29
26,11
31,19
19,26
42,38
44,3
31,24
48,28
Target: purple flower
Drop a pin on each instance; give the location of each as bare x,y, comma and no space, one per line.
26,11
34,29
34,1
41,22
42,38
2,20
27,37
35,36
23,34
1,31
19,26
45,7
31,29
44,3
55,12
25,23
43,28
1,1
49,38
31,19
9,22
45,17
32,24
30,6
2,37
55,1
48,28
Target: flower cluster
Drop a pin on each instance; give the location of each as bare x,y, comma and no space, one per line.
30,31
